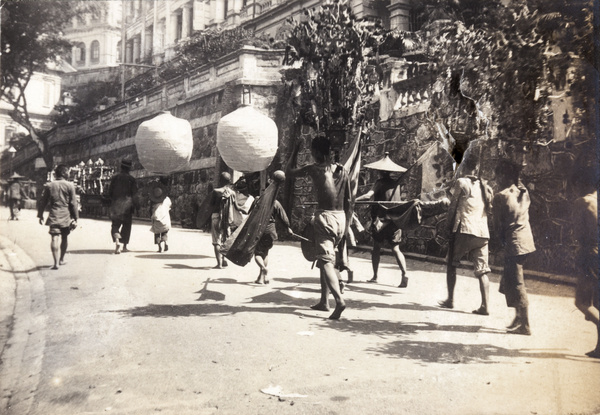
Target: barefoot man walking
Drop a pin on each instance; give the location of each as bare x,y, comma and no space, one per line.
330,181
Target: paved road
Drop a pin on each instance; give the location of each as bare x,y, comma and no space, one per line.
143,333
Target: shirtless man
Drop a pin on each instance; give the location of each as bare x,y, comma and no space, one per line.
330,181
585,220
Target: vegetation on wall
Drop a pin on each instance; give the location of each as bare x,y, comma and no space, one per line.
203,47
498,64
332,72
87,99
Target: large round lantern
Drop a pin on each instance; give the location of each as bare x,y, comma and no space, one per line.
247,140
164,144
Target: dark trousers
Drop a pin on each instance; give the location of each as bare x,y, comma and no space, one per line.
512,283
121,229
14,205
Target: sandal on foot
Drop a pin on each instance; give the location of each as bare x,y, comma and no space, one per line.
481,311
372,280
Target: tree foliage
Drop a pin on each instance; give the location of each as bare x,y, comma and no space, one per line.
332,72
498,64
86,100
31,39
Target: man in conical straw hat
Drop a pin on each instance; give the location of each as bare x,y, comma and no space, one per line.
384,230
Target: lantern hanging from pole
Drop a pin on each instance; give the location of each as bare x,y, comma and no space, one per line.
164,144
247,140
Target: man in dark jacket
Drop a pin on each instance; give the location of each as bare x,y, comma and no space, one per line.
122,192
511,222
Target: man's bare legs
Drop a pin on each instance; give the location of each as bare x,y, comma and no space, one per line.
54,247
589,311
375,259
262,264
585,304
451,283
596,352
484,289
323,304
401,261
398,255
64,244
330,283
221,262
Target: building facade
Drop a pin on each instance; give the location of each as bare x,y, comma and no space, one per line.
43,92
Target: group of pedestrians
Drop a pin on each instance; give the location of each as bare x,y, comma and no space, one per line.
471,202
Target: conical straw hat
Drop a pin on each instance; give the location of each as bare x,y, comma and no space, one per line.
386,164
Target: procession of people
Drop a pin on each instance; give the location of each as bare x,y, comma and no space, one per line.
243,225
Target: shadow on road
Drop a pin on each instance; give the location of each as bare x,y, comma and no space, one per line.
423,351
38,268
183,266
453,353
171,256
92,252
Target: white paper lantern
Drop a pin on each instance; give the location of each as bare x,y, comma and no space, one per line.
164,144
247,140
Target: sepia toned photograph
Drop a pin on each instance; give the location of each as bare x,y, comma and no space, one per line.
301,207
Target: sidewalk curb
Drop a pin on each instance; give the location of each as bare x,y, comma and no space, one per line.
23,353
535,275
531,274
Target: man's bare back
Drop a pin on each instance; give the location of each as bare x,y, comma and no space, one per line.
329,181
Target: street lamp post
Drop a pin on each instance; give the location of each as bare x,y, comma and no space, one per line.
12,152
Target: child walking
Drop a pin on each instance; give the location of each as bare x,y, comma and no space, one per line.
161,219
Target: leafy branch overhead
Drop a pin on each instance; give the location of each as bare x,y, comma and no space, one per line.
331,57
32,42
498,64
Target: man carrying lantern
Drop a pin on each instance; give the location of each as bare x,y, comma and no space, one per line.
219,227
122,193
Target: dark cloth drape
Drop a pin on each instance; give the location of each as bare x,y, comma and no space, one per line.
409,215
240,247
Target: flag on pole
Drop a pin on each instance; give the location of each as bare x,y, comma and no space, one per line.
351,162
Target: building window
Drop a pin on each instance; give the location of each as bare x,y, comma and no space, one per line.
9,132
48,90
162,34
416,19
95,51
225,7
80,54
179,26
